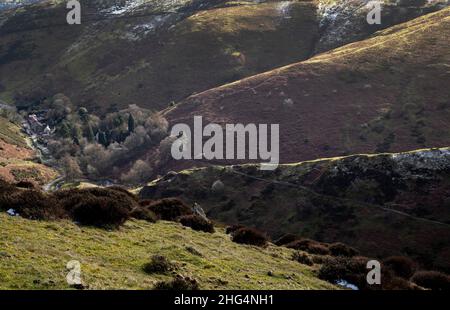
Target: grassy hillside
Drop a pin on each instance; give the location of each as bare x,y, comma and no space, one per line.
17,158
154,52
11,134
388,204
386,93
34,255
149,56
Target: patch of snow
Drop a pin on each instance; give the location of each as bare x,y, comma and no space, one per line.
435,159
12,212
154,23
284,9
339,20
346,284
128,6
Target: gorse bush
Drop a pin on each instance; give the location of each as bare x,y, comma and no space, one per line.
196,222
179,283
32,204
145,202
341,249
390,282
302,258
250,236
70,198
144,214
6,190
401,266
101,207
432,280
352,270
169,209
100,212
231,229
318,249
158,264
123,191
287,238
310,246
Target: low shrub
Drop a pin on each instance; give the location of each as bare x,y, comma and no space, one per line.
101,212
318,249
401,266
179,283
432,280
123,191
341,249
6,190
319,259
101,207
303,258
158,264
169,209
127,199
353,270
143,214
390,282
310,246
68,199
249,236
33,204
231,229
72,197
286,239
197,223
145,202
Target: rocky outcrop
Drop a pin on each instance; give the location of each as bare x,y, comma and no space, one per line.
344,21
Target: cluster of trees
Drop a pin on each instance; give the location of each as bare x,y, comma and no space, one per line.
95,147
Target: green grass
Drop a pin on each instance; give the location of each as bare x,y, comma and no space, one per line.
33,255
10,133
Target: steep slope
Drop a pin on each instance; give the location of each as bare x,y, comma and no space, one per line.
345,21
34,255
388,204
153,52
17,160
386,93
150,53
8,4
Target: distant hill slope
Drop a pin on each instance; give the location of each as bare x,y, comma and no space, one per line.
34,255
388,204
8,4
386,93
149,54
16,158
154,52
